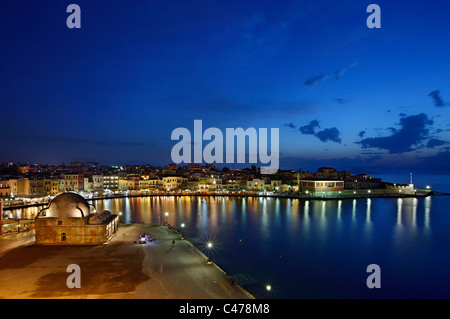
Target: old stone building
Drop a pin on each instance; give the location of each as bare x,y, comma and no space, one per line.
70,220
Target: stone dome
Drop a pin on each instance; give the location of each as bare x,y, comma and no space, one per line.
66,205
99,218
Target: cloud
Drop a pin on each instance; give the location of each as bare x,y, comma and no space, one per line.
438,101
329,134
339,73
414,129
361,134
314,80
435,142
310,128
340,101
291,125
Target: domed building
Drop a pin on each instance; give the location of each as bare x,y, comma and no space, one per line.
70,220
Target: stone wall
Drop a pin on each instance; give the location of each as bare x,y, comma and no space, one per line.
72,231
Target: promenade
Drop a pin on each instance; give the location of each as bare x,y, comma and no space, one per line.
119,269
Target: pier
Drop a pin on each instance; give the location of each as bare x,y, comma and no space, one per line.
122,268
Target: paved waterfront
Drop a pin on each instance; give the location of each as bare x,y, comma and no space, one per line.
120,269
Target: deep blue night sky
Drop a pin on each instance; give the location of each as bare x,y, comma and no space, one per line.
341,94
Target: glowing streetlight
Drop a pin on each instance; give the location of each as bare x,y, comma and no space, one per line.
182,226
268,290
209,245
428,187
166,214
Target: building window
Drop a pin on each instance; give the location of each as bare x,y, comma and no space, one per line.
63,237
59,222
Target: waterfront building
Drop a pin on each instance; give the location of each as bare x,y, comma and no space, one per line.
150,184
36,187
401,189
97,181
70,220
5,188
125,184
88,184
173,182
20,186
321,186
363,181
80,182
51,186
71,182
256,185
144,184
61,185
327,173
111,182
275,185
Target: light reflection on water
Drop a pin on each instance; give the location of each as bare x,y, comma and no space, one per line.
310,248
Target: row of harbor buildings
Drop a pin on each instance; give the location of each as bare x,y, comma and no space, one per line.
191,178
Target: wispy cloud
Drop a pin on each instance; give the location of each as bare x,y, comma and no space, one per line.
314,80
341,101
337,75
438,101
290,125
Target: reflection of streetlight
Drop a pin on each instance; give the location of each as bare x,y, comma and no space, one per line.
209,253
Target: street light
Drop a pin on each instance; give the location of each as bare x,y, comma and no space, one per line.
209,253
165,214
268,289
182,226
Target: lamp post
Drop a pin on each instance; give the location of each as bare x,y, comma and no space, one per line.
209,252
182,226
268,289
165,214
